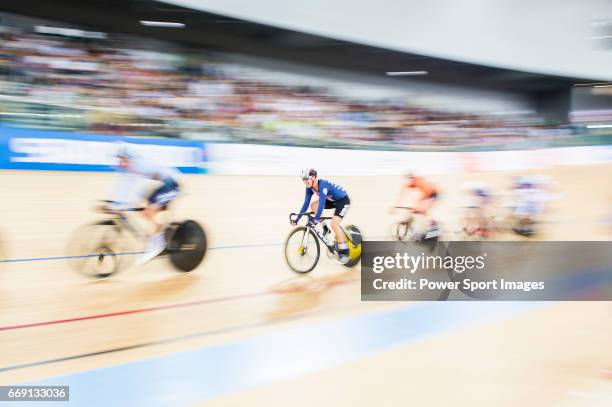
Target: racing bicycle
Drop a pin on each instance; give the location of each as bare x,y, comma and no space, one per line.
404,229
104,247
303,244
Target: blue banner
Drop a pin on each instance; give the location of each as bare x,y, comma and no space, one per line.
26,149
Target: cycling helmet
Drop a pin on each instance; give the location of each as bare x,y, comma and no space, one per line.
481,192
307,173
478,189
123,150
524,182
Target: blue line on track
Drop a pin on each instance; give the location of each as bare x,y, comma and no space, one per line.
63,257
239,246
126,254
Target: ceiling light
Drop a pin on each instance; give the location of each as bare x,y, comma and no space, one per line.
592,84
407,73
599,126
169,24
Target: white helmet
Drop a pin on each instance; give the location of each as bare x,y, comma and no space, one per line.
123,150
307,173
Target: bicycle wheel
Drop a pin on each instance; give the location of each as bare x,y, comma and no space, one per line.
187,245
524,227
95,250
354,238
302,250
403,231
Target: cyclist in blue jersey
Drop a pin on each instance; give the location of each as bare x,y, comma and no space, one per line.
331,196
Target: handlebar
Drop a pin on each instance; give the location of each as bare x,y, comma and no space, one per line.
294,216
107,209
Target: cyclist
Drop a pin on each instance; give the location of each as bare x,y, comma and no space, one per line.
479,209
330,196
530,198
428,196
129,190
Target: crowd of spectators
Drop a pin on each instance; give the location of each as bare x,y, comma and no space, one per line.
110,85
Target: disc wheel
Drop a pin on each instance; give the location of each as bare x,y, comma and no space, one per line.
354,236
187,245
302,250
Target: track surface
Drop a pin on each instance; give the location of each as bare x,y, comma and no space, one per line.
243,300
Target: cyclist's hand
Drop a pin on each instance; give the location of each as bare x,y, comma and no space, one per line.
102,208
107,208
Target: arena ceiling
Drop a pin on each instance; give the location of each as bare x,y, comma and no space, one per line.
221,33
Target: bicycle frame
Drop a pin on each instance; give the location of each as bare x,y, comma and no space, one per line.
409,210
123,222
310,226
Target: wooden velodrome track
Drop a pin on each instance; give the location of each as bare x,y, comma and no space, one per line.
56,322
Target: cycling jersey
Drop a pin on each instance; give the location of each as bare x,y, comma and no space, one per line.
129,189
427,189
152,170
328,191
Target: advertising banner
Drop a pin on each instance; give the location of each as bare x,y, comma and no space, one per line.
25,149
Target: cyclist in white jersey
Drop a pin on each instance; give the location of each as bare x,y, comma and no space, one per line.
129,192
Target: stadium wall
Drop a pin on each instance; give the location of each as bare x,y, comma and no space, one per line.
248,159
22,149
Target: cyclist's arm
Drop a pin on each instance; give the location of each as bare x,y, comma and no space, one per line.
153,170
322,200
307,199
401,196
124,193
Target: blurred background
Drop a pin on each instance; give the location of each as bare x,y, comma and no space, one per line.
220,78
240,96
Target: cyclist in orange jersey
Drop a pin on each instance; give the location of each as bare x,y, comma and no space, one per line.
428,196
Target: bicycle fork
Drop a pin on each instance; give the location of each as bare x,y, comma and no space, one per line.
304,243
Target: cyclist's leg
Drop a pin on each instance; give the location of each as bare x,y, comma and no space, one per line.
421,209
159,200
471,219
314,204
335,224
477,218
340,210
149,213
340,207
